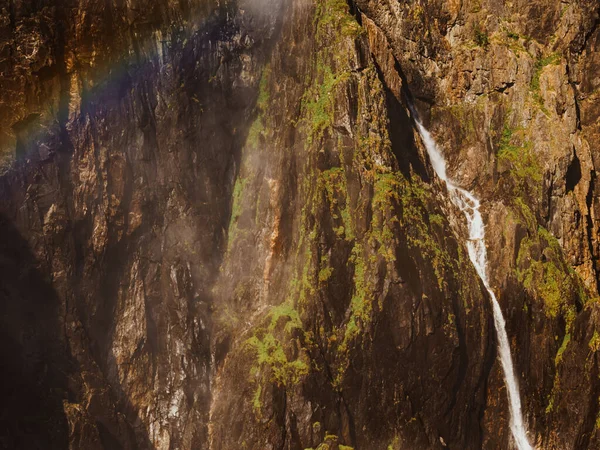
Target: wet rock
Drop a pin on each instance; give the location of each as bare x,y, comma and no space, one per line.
220,229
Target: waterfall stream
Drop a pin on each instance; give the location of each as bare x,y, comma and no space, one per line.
469,205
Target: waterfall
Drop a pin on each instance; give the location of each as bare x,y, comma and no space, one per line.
469,205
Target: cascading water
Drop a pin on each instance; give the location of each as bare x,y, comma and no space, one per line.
469,205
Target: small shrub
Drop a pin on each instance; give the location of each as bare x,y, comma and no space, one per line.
481,37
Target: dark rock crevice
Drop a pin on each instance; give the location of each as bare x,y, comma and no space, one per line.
589,224
573,175
35,362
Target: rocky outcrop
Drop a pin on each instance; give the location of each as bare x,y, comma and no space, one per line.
126,127
220,229
503,87
356,271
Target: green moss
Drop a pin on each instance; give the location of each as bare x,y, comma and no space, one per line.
333,25
236,208
270,354
256,400
270,350
305,281
525,213
594,343
505,139
238,190
395,444
307,284
517,153
550,406
481,38
549,277
361,304
392,190
286,311
385,198
561,350
330,443
317,102
475,6
557,361
374,229
333,182
436,219
553,287
326,270
542,270
334,21
257,129
262,101
420,235
392,193
310,272
545,274
540,64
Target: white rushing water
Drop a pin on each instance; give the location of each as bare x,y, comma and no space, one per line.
469,205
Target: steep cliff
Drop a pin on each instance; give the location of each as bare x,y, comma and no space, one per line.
126,122
220,227
508,89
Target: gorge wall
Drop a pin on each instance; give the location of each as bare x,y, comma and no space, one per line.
220,228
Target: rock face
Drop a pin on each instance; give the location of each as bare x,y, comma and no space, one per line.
126,121
220,228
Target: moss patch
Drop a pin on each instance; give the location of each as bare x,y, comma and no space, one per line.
594,343
335,15
561,350
516,152
480,37
270,353
548,276
333,182
317,102
283,361
236,208
540,64
257,129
